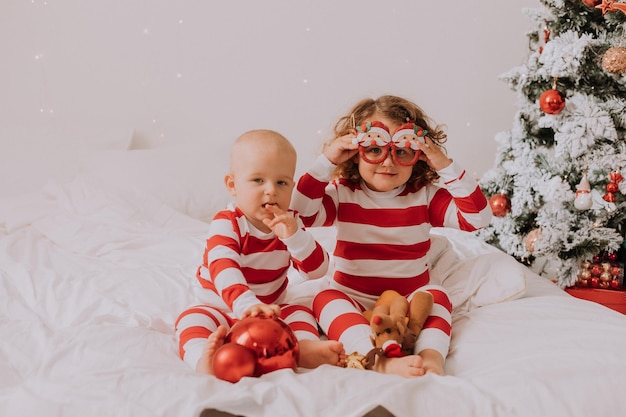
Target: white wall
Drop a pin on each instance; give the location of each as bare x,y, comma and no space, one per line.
73,72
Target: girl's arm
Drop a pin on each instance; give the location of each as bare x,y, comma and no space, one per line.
459,203
315,198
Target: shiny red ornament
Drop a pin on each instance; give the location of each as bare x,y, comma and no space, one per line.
591,3
551,102
615,176
272,342
596,270
500,204
232,362
612,187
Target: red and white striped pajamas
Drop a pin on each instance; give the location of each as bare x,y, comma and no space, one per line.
241,267
382,242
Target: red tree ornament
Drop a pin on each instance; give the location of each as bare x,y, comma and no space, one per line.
269,341
612,187
591,3
551,102
232,362
500,204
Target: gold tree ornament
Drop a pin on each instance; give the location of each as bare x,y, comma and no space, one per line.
531,238
614,60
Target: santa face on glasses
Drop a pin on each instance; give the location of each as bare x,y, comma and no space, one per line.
376,142
385,161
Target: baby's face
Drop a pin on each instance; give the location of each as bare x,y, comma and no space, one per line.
261,176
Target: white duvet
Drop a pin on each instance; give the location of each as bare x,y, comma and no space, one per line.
93,277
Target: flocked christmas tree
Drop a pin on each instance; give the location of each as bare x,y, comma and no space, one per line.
557,188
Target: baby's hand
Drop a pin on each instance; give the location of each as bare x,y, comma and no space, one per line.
267,310
433,155
283,224
341,149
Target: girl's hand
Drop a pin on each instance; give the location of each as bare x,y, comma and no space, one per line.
341,149
267,310
283,224
433,155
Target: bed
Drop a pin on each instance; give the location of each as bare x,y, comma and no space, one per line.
97,261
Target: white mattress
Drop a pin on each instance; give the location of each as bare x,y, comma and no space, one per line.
93,277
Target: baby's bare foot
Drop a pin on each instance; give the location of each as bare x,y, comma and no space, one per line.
314,353
214,341
407,366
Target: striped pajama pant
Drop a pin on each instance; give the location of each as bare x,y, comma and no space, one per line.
195,324
339,314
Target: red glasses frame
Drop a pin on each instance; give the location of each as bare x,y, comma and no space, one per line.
376,135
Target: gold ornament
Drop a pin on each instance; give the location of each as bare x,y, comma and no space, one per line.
531,238
614,60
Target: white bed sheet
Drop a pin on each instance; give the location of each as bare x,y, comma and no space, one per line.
93,277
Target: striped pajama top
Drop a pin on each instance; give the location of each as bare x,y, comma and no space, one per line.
383,237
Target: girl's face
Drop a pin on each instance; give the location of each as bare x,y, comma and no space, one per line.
386,175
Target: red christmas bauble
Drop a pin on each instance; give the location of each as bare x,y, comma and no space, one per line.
596,270
232,362
551,102
272,341
591,3
615,270
500,205
612,187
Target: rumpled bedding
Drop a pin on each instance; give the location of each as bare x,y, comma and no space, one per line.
93,277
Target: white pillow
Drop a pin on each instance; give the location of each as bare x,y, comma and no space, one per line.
189,179
487,278
27,164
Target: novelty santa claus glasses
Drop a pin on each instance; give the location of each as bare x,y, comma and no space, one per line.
375,142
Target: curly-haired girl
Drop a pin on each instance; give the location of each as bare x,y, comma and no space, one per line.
384,181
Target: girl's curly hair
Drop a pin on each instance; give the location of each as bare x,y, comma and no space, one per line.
399,110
